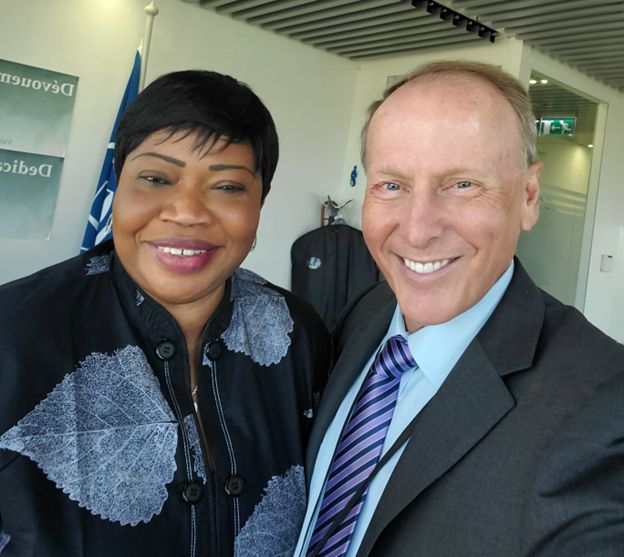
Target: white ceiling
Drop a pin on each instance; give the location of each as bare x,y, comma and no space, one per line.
585,34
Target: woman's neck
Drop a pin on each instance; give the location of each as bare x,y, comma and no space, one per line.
192,319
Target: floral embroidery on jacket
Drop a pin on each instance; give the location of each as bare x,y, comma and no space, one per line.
273,528
261,320
98,264
105,436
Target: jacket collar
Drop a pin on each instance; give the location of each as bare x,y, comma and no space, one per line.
152,319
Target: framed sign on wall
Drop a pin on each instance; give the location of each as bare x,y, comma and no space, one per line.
36,107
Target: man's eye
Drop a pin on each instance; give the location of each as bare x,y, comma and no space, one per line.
392,186
464,184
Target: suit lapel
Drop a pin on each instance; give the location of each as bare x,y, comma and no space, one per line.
472,400
469,403
372,325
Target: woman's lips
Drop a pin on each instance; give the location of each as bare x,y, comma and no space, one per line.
183,256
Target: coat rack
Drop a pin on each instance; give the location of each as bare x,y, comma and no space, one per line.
331,211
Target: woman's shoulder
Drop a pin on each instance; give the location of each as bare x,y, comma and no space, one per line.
54,285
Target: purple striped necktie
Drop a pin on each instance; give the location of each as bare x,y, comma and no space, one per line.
360,445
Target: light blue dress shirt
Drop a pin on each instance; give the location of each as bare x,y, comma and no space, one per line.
436,349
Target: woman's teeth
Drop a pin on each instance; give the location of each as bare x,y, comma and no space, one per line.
180,251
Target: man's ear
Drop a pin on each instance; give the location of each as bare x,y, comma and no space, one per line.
531,193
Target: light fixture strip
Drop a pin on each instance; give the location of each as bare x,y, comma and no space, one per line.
457,19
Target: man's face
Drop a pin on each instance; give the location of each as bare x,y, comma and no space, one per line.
447,194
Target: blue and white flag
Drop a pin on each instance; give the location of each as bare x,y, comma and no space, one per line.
99,225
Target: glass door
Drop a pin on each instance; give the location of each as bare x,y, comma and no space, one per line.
552,251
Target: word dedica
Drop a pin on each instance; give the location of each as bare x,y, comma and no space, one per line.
18,166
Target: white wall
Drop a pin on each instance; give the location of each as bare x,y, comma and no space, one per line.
566,164
308,91
96,41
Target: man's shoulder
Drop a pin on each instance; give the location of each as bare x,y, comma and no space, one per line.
553,336
568,332
377,302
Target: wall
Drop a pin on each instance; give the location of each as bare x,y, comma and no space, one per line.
93,40
308,91
566,164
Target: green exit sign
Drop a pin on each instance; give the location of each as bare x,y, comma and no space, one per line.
557,126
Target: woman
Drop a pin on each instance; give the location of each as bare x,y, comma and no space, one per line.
156,399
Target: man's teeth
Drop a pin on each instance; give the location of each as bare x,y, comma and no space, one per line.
425,268
180,251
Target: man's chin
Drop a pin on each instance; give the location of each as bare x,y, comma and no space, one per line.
416,318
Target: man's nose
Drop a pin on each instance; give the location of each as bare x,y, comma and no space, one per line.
424,218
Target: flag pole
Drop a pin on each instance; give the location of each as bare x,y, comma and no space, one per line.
151,11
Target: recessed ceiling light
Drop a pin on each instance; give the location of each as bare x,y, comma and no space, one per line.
591,145
532,81
543,81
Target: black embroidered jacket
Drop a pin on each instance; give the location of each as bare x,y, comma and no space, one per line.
100,451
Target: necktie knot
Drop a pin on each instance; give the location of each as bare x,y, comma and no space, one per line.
395,358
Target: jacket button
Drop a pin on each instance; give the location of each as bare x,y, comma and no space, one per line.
192,492
234,486
214,350
165,350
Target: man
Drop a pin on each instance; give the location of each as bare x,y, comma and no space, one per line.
492,423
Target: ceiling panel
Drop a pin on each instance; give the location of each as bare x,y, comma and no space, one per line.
586,34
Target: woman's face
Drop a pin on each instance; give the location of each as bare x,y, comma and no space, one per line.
184,219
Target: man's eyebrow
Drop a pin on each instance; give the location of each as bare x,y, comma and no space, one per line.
166,158
388,172
218,167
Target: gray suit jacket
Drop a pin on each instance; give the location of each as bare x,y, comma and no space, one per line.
521,451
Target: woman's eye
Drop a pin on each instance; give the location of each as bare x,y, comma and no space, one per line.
155,180
230,188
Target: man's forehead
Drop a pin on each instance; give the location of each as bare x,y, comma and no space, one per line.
451,97
455,86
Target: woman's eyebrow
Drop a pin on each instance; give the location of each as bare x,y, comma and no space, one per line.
218,167
166,158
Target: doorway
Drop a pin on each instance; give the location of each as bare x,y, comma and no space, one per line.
556,251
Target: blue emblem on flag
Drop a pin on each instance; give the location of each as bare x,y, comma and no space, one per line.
99,224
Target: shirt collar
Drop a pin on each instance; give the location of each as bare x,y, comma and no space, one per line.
436,348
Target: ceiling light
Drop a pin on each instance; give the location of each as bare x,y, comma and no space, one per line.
455,18
532,81
591,145
543,81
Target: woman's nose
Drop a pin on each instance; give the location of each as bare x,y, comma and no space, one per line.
187,206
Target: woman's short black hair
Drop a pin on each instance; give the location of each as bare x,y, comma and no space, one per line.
213,105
